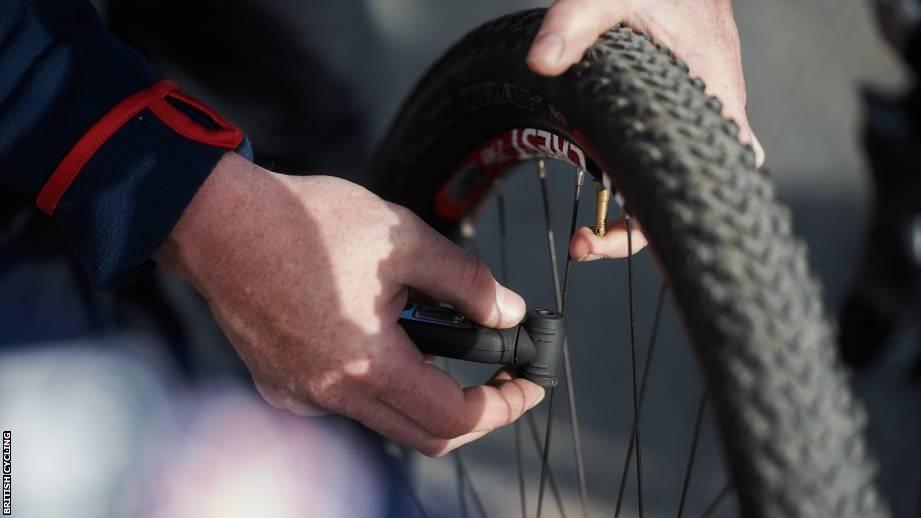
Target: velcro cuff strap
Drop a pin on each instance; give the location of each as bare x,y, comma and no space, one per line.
223,135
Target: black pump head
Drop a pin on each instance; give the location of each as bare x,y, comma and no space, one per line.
534,346
547,331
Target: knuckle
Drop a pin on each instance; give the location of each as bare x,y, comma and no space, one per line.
357,369
269,397
403,215
363,374
329,398
300,401
372,418
449,428
515,404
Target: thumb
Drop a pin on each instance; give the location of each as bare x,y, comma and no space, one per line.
569,29
446,272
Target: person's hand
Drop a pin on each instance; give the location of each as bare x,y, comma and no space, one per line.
307,276
703,33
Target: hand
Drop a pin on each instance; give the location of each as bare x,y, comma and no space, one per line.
701,32
307,276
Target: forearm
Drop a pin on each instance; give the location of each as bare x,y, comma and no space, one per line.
90,136
61,72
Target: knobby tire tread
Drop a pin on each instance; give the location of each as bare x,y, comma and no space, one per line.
791,429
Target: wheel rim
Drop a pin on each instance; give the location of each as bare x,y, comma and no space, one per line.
469,203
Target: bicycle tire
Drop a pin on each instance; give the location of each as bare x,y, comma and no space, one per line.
791,431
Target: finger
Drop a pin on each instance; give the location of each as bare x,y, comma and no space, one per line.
501,376
434,400
509,397
713,54
569,28
444,446
586,246
305,409
418,296
759,149
726,82
446,272
395,426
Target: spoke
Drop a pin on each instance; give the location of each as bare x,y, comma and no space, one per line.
468,483
461,485
560,295
545,455
417,503
503,272
636,406
407,481
715,503
464,482
551,241
567,362
551,481
503,235
519,461
628,458
701,408
577,193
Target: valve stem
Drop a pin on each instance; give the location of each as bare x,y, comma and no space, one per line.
602,196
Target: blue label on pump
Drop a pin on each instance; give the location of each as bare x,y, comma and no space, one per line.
440,315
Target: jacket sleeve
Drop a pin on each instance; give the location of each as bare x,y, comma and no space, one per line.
93,138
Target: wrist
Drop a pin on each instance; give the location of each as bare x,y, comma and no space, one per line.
203,234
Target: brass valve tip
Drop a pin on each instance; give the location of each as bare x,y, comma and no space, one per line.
602,196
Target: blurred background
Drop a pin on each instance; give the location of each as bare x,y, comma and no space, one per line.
324,79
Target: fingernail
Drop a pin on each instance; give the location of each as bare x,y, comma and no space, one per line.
543,393
510,303
759,150
548,48
534,401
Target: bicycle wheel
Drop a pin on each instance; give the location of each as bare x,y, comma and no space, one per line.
629,115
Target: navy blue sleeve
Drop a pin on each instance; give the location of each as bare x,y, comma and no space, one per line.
60,72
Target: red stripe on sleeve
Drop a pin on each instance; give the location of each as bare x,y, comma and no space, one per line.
224,135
